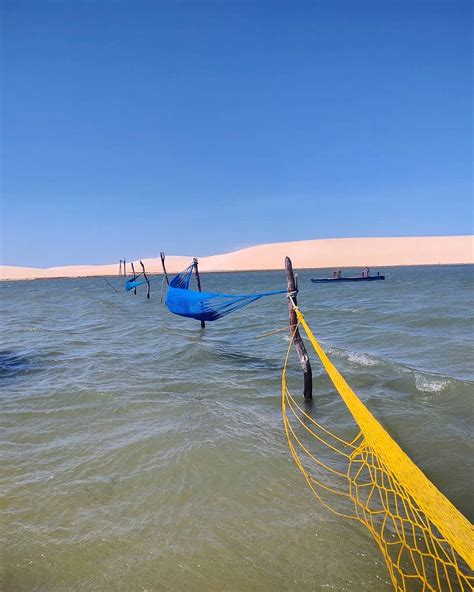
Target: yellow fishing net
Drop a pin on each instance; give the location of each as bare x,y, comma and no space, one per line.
426,542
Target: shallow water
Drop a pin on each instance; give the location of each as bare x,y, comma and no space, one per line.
141,453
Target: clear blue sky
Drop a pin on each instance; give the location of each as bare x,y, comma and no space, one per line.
197,128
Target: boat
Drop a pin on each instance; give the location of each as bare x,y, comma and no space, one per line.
368,278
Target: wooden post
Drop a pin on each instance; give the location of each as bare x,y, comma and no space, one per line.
198,280
134,275
146,279
120,267
162,256
299,344
125,267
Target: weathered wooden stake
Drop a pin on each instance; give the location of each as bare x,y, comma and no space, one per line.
162,256
134,274
299,344
146,279
198,280
125,267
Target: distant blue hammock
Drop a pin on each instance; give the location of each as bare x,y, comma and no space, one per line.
133,283
205,306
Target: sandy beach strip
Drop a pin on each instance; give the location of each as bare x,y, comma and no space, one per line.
309,254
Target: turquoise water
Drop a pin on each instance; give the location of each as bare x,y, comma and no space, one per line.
140,453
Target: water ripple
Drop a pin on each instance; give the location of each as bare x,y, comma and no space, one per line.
141,453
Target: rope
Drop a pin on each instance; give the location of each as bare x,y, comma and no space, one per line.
426,542
111,285
275,331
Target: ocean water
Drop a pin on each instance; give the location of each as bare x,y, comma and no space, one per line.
141,453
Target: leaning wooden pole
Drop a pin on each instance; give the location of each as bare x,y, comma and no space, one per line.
198,280
162,257
134,275
299,344
146,279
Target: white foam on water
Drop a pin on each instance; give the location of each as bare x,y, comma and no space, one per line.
358,358
430,385
361,359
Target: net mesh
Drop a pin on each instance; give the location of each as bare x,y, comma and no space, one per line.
206,306
426,542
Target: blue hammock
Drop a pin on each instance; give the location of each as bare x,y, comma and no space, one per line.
133,283
205,306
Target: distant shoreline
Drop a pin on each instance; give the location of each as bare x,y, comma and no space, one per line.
157,273
313,254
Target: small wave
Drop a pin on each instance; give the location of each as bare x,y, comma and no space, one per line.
440,322
425,384
13,363
358,358
361,359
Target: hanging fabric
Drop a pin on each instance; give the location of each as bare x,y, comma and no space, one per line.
206,306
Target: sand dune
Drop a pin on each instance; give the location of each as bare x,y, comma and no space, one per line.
338,252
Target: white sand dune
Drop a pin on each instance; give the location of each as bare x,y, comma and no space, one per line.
320,253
